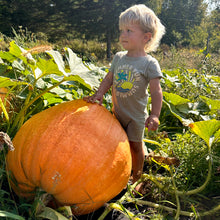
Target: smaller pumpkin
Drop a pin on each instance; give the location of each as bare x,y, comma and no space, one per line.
76,151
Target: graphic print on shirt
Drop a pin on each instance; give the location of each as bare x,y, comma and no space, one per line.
124,80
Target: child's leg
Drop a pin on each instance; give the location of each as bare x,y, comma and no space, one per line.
137,153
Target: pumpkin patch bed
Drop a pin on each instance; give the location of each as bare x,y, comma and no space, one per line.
76,151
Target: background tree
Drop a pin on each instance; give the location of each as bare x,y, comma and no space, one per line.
98,19
206,35
179,16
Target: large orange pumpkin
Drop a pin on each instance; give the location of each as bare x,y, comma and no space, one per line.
76,151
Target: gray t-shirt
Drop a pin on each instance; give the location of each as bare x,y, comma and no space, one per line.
131,76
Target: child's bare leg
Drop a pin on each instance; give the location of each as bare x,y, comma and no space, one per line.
137,153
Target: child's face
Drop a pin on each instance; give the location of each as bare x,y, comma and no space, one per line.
133,38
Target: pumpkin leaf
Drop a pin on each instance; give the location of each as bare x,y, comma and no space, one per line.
209,130
14,49
215,78
75,63
213,104
50,99
7,56
174,99
58,60
5,82
14,53
78,71
76,78
51,214
10,215
77,67
177,114
48,67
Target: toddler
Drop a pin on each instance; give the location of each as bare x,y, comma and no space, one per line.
130,74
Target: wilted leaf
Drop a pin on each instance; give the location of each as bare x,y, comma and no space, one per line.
51,214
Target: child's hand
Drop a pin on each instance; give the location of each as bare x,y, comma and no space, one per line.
94,98
152,123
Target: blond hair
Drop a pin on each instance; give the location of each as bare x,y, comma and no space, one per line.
148,21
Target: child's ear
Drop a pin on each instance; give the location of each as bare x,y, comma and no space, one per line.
147,36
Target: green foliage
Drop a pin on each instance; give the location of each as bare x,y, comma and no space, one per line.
189,128
206,35
38,83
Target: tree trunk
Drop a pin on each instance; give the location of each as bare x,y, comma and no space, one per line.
108,37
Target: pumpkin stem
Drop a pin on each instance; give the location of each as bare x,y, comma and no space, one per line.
41,200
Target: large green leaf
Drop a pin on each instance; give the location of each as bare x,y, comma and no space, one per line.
77,67
177,114
172,73
76,78
174,99
14,53
209,131
58,60
15,49
5,82
215,78
7,56
213,104
47,67
50,98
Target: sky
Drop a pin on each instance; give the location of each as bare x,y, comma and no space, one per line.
213,5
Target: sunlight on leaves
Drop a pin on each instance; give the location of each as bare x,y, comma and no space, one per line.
58,60
48,67
213,104
174,99
152,142
209,131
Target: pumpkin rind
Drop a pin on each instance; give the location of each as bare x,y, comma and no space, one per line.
76,151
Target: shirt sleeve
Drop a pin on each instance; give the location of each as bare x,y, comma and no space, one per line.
153,70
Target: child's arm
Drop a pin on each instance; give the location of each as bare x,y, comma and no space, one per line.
103,88
152,121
